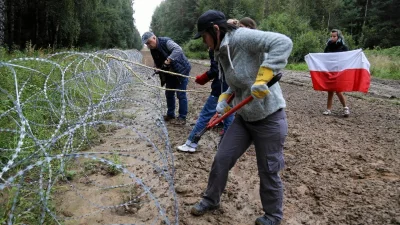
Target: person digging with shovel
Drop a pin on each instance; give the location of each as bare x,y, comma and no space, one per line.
249,59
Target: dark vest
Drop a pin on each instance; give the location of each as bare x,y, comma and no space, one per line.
180,65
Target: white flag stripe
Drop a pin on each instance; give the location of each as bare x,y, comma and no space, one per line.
337,61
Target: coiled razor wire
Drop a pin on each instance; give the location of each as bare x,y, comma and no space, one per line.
83,141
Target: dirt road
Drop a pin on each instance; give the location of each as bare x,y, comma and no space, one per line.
338,170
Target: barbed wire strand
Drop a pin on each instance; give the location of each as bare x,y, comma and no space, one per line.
51,110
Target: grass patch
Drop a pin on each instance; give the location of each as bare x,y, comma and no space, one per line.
297,66
197,55
41,96
30,200
384,66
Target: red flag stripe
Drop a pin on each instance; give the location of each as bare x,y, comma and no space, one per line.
342,81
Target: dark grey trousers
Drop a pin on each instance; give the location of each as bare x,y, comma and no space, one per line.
268,136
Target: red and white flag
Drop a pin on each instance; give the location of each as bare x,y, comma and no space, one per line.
339,71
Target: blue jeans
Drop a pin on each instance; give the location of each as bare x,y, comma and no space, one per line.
173,83
208,111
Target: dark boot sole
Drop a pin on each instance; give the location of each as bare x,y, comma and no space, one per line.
195,212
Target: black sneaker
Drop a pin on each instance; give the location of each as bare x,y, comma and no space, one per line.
263,220
201,208
168,118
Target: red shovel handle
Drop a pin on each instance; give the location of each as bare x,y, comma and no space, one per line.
234,109
215,120
229,100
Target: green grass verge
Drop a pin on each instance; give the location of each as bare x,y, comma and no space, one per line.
297,67
42,107
385,63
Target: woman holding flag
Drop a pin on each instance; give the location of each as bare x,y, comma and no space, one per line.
336,44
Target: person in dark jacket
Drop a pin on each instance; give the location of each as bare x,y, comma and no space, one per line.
336,44
168,55
209,109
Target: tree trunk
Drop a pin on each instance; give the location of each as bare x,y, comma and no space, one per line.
365,14
365,19
329,19
49,38
2,21
10,24
56,36
37,25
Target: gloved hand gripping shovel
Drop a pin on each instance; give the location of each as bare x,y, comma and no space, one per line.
216,120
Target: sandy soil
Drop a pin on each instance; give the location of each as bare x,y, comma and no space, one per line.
338,170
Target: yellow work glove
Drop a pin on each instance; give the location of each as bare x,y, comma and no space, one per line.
223,106
260,89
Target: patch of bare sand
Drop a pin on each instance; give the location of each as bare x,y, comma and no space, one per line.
140,193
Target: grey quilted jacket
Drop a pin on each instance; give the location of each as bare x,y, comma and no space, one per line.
240,55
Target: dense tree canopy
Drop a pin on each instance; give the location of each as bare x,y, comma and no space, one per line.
2,21
109,23
370,23
68,23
